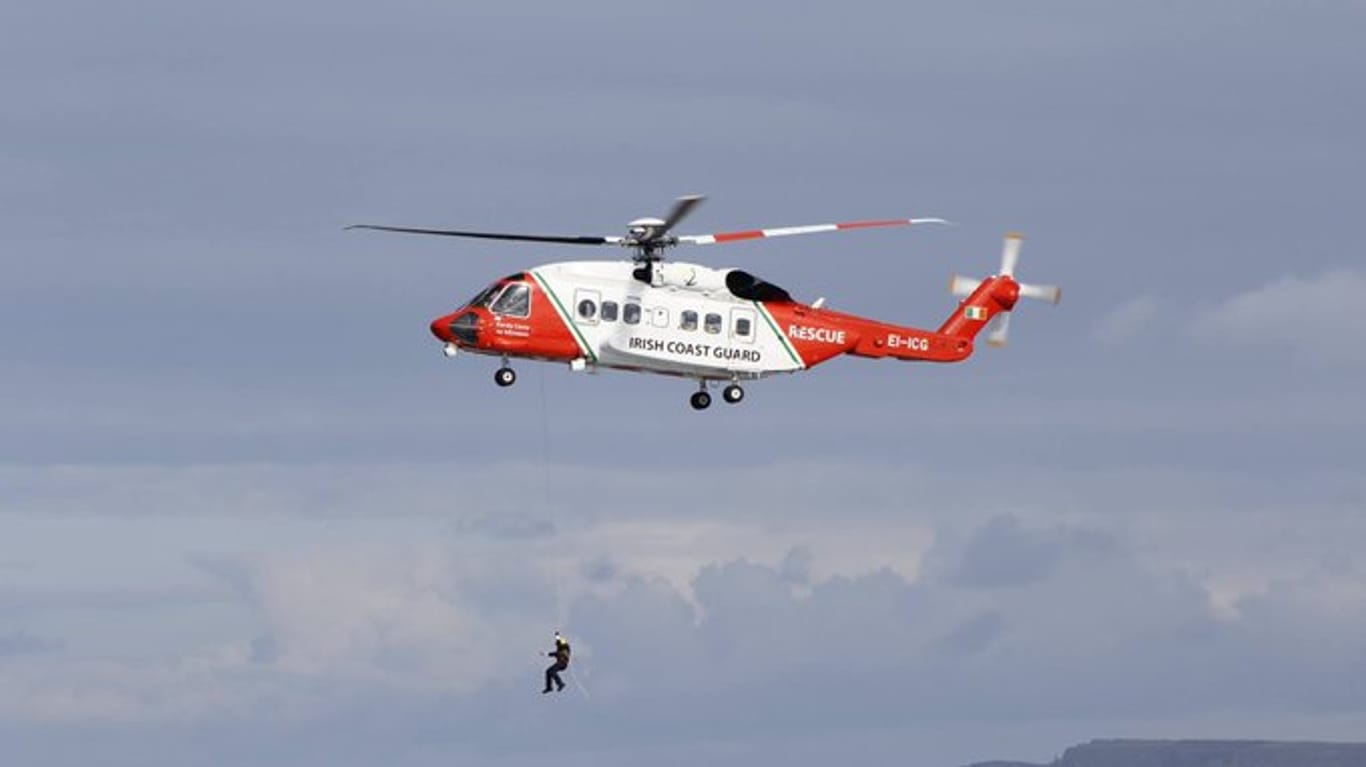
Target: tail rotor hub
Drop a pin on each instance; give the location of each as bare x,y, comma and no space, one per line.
1007,290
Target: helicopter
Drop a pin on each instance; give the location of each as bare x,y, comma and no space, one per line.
719,327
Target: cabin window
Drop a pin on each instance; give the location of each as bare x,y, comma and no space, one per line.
742,324
609,311
588,309
514,301
687,320
712,323
630,314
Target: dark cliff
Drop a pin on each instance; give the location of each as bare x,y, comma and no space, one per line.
1204,753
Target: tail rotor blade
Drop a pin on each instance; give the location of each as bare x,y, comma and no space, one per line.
1050,293
1001,285
963,286
996,331
1010,254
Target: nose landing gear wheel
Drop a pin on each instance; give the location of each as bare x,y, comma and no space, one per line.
505,377
700,400
733,394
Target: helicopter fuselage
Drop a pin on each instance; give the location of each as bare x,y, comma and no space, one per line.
686,320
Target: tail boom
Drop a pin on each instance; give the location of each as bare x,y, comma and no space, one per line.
953,341
911,344
818,335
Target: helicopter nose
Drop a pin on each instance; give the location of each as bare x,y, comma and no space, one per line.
441,328
460,328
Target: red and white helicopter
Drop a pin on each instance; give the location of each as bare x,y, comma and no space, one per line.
719,326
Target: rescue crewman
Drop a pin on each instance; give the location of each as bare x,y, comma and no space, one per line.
561,656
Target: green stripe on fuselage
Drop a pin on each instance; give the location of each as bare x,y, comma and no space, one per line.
564,315
763,312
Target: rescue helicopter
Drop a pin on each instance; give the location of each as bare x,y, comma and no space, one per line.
719,327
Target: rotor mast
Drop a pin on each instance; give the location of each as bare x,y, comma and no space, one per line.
650,236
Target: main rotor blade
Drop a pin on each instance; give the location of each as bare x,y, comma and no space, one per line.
493,235
682,207
756,234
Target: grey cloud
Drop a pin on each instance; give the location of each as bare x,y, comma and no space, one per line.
758,656
796,565
20,600
233,572
974,635
1004,552
508,525
264,649
1111,639
1126,321
23,643
599,569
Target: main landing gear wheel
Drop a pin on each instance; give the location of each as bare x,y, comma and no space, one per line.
733,394
505,377
700,400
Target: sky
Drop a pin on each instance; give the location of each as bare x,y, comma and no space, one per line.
250,515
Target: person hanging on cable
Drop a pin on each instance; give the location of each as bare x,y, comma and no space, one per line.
561,656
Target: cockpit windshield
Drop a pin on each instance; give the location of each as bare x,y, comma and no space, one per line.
514,301
482,300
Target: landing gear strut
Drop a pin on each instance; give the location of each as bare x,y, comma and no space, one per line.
505,376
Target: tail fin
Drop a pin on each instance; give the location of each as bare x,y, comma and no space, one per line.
986,301
990,301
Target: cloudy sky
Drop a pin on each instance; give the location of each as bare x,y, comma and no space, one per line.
250,515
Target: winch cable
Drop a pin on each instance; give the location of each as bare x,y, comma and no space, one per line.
561,603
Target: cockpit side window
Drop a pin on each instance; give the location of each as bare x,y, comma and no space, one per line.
514,301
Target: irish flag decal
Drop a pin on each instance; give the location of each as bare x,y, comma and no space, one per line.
975,312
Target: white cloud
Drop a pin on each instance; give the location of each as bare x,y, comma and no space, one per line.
463,620
1315,318
1126,321
690,617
